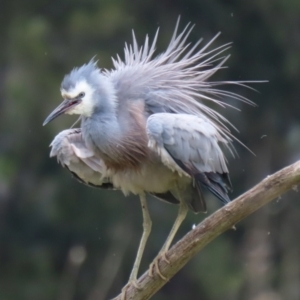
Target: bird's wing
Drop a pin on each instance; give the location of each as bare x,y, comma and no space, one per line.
71,151
190,145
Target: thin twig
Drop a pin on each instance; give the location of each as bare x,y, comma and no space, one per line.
223,219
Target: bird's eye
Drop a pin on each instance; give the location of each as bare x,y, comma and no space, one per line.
81,95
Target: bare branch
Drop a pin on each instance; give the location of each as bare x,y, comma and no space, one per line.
223,219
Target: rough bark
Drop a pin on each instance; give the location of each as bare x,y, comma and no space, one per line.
225,218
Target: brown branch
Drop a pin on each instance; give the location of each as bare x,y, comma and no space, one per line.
223,219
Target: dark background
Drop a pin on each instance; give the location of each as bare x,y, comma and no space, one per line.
61,240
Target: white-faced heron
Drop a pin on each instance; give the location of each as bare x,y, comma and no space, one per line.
145,128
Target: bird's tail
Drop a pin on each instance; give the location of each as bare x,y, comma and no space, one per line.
193,197
217,184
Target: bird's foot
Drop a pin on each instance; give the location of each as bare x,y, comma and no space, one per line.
162,255
132,282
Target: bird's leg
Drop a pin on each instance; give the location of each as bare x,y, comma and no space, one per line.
147,224
182,212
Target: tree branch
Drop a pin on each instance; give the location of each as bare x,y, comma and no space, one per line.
223,219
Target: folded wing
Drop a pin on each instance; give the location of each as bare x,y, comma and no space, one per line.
190,145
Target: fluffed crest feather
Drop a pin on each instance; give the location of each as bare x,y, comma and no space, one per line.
177,80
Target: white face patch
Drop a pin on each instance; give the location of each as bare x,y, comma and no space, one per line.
85,107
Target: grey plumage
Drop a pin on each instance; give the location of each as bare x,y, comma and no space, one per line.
71,152
145,127
189,145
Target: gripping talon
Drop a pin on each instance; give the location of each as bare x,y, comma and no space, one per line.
150,272
155,264
125,288
135,284
158,270
164,257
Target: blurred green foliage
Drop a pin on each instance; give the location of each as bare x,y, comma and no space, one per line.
62,240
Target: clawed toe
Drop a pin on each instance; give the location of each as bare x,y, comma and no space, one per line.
155,264
158,270
125,288
164,257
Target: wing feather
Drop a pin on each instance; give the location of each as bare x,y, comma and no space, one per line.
190,139
190,145
71,151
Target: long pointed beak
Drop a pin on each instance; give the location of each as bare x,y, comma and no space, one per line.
62,108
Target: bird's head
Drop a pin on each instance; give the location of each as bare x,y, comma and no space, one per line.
79,91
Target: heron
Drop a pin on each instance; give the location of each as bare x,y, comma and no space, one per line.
147,127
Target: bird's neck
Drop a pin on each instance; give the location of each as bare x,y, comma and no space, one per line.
120,141
100,130
102,125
